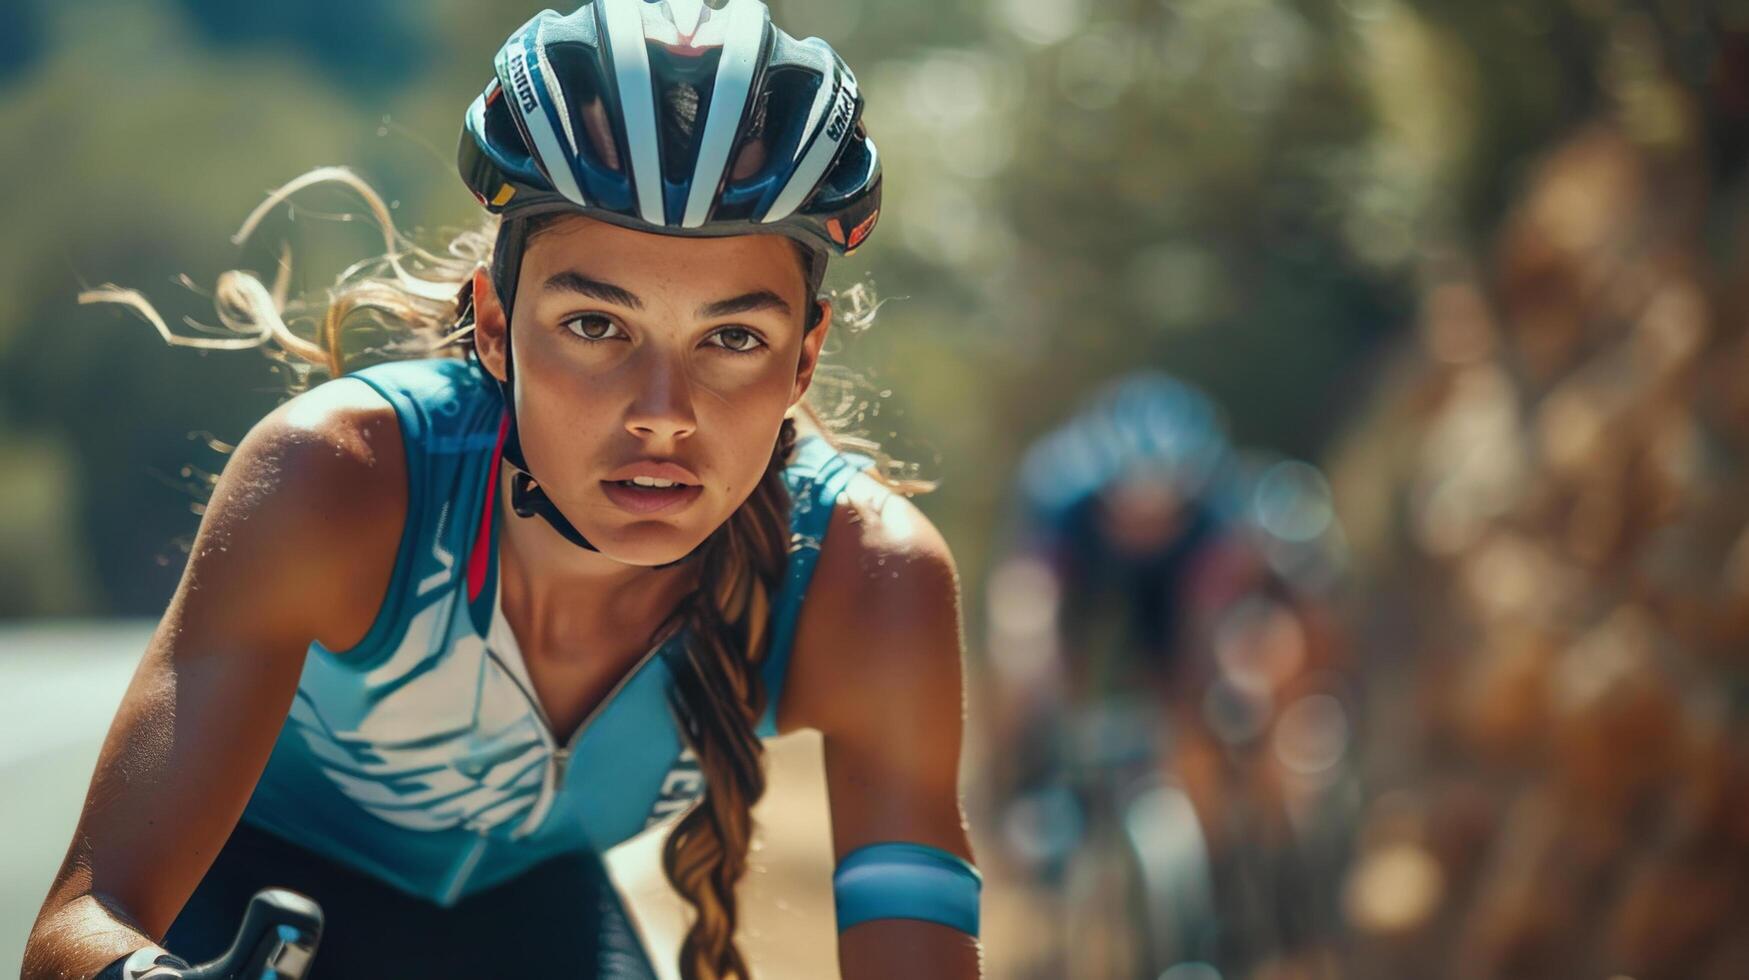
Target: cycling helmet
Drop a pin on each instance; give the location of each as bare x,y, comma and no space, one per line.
677,116
681,117
1146,422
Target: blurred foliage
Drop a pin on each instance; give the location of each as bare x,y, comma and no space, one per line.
344,40
19,38
134,151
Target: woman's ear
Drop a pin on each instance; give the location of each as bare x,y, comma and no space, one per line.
812,342
491,332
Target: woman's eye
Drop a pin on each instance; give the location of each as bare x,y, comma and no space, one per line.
738,340
591,326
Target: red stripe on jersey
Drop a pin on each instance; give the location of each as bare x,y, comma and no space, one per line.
483,540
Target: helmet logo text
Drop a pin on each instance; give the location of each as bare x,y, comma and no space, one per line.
841,111
520,80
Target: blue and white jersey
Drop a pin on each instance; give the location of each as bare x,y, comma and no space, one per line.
421,756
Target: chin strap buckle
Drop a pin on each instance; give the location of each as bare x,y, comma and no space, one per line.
529,500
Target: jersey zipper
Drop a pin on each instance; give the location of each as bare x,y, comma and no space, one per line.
560,755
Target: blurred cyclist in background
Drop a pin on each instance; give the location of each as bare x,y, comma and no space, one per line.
1167,683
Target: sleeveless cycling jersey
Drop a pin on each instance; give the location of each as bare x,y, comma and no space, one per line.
421,756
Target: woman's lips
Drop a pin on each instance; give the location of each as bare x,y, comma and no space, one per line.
661,469
649,500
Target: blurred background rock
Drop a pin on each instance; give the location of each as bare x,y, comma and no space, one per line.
1484,262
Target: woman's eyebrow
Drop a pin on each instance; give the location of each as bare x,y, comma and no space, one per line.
607,292
759,299
572,281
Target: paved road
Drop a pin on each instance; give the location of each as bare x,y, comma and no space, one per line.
59,685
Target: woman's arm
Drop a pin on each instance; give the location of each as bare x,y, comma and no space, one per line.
298,543
878,671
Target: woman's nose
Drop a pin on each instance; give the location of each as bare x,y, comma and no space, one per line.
662,408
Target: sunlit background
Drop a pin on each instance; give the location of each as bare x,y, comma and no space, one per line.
1480,264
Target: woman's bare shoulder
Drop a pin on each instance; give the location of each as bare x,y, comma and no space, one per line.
879,535
309,510
882,611
332,458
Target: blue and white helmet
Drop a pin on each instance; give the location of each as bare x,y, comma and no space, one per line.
685,117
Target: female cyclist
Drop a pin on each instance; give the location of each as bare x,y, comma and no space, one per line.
451,627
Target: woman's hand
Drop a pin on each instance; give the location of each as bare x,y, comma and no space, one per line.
878,671
297,544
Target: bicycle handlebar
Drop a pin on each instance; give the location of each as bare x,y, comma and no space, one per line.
276,941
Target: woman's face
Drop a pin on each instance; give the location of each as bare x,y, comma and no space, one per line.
636,348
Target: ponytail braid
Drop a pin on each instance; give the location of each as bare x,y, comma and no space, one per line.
719,697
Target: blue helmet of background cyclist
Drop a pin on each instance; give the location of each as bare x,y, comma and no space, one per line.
1144,428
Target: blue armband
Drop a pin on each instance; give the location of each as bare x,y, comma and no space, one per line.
899,880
